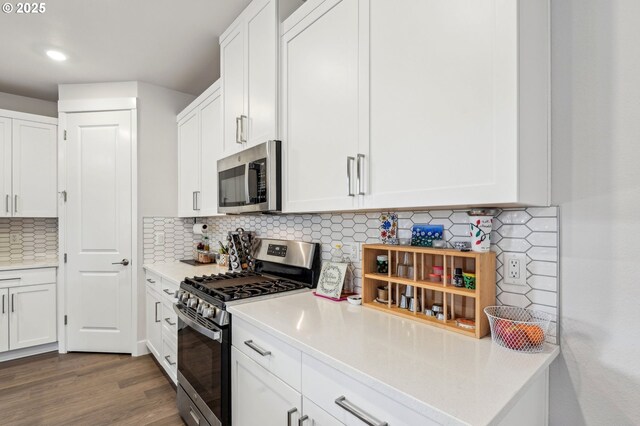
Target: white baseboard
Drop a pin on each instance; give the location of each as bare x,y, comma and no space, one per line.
35,350
141,348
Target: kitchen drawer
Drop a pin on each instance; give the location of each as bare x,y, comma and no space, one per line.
169,289
153,280
324,385
273,354
169,359
169,323
20,277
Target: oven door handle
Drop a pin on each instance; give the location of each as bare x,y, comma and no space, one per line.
213,334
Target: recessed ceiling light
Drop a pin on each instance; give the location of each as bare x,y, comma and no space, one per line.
56,55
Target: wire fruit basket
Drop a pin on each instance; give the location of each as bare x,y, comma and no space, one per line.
519,329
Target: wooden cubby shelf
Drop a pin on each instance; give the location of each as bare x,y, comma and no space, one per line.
458,302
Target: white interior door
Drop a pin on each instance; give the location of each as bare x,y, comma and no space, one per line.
211,152
35,160
5,166
98,232
4,320
32,315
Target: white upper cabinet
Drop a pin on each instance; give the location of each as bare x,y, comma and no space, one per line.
199,149
249,73
452,108
323,91
28,166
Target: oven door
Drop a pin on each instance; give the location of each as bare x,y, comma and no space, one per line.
250,180
204,364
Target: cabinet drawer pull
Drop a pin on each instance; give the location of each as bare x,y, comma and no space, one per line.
289,413
195,417
15,203
302,419
168,358
13,305
169,322
151,281
356,411
350,161
257,348
238,126
360,174
243,132
6,203
157,304
169,292
10,279
3,303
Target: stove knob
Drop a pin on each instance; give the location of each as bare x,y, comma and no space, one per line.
208,312
200,308
192,302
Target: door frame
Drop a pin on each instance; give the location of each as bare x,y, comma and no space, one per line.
96,105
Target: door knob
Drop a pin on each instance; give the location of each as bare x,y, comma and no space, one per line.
124,262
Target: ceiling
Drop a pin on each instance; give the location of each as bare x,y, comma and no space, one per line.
164,42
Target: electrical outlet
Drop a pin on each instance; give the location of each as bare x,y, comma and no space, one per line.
158,238
514,269
349,251
14,237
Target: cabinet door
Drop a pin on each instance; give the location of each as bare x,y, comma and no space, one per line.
4,320
232,69
5,167
211,149
262,78
316,416
259,397
321,108
154,324
443,103
35,158
32,315
188,164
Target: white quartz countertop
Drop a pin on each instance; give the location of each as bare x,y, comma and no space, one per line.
177,271
438,373
28,264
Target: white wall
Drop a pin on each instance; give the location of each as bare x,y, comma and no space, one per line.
28,105
596,182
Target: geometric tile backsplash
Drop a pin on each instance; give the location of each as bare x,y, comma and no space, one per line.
533,231
36,239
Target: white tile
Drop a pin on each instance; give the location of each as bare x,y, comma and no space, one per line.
541,282
543,211
459,217
422,217
517,289
513,299
514,217
543,297
544,239
459,230
444,222
405,223
547,224
549,254
440,213
514,245
548,309
549,269
514,231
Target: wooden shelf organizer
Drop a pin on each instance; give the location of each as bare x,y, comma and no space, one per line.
458,302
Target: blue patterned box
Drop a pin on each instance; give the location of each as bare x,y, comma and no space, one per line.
423,235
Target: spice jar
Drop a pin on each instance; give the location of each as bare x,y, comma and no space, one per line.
458,279
382,264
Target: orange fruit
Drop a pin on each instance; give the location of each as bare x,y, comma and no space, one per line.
534,333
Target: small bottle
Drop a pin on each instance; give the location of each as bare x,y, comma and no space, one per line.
206,243
458,280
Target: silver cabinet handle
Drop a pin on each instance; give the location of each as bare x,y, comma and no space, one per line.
362,415
6,203
193,200
169,322
360,174
15,203
168,357
197,206
243,132
350,161
257,348
194,416
123,262
302,419
169,292
238,127
151,281
157,303
289,413
3,303
13,304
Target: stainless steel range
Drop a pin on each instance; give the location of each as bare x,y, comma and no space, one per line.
204,326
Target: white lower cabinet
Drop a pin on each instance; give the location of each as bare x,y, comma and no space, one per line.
162,322
32,319
259,397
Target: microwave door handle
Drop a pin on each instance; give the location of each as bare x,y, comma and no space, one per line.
246,183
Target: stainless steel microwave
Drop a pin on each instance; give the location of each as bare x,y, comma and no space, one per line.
250,181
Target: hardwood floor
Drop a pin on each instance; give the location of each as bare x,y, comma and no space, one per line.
86,389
